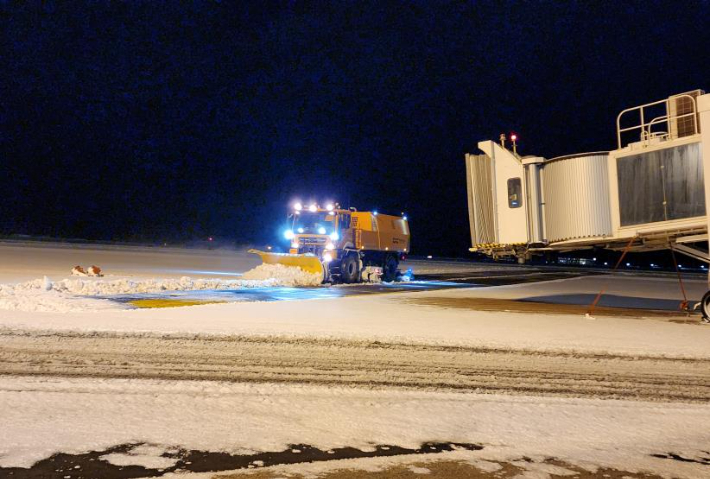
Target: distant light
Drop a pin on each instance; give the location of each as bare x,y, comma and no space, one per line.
653,265
594,259
209,239
628,264
294,245
300,230
298,206
404,218
329,207
680,265
428,257
288,234
321,231
313,208
268,247
327,257
513,137
606,264
374,212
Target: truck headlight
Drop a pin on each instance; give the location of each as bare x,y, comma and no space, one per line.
334,236
321,231
330,246
327,257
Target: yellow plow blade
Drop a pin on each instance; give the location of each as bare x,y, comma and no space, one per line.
307,262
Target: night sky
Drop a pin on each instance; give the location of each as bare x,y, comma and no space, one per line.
151,121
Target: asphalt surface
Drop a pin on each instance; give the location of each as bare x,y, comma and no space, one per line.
427,282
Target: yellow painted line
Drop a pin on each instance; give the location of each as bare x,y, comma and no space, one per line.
170,303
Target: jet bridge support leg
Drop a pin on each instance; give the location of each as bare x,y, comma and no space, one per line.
703,103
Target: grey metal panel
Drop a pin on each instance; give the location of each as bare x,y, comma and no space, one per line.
673,175
479,183
576,192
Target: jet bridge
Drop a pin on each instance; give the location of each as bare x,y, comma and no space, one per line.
650,193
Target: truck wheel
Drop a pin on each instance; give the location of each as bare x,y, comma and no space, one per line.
350,269
389,272
705,306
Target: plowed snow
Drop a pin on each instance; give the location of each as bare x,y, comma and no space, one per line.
80,294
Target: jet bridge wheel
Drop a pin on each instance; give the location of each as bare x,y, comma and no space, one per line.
705,307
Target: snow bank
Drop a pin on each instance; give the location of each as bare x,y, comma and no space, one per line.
79,294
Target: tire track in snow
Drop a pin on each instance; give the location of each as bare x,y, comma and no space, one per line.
355,363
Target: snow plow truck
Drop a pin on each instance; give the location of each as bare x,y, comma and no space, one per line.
343,245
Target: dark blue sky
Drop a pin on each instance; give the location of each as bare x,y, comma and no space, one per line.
168,121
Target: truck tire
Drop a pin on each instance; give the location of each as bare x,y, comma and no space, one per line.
389,271
350,269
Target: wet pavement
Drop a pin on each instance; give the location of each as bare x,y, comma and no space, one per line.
96,464
430,282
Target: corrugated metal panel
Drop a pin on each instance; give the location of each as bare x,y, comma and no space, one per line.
479,183
576,192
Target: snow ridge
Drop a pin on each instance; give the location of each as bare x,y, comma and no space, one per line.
81,294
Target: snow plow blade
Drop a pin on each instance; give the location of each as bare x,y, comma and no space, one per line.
306,262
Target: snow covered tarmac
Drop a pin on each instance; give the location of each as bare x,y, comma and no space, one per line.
360,371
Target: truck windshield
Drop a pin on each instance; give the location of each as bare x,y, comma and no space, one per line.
314,223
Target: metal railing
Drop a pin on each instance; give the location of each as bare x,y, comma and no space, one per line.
646,132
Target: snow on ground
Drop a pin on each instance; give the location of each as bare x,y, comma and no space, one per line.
73,294
79,415
24,261
391,318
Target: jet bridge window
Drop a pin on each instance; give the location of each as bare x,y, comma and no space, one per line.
515,193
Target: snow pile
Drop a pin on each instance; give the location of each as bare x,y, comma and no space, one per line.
39,296
283,275
80,294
